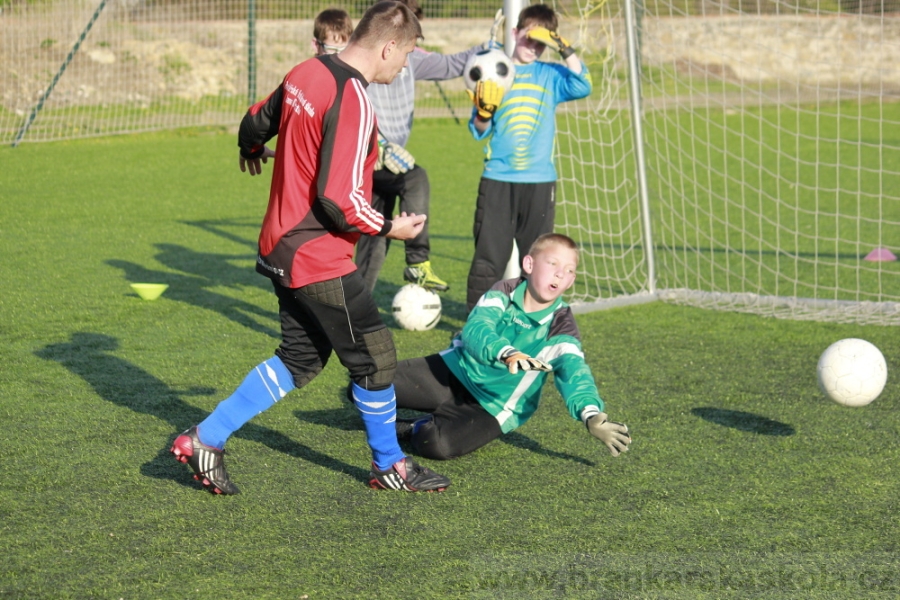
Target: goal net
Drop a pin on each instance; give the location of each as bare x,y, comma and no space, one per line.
753,164
770,135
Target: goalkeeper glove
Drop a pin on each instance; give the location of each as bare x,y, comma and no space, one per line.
552,39
492,43
515,360
614,435
393,157
487,97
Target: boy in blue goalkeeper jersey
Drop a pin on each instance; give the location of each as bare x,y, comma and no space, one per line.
516,195
489,381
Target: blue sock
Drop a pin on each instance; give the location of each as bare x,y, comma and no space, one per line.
379,415
262,387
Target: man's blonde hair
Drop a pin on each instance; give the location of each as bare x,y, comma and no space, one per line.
552,239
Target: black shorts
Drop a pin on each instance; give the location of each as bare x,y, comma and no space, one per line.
459,424
335,315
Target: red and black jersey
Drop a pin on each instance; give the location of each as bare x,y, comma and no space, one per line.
320,199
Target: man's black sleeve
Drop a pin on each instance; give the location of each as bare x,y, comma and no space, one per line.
260,125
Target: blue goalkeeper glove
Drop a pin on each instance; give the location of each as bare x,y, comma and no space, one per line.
393,157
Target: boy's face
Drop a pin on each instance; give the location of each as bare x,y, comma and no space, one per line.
527,50
551,272
332,44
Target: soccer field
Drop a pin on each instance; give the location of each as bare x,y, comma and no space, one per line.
742,481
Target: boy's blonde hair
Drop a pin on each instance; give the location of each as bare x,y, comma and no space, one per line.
537,14
335,21
552,239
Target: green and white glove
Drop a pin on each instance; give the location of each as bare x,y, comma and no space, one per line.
614,435
393,157
515,360
553,40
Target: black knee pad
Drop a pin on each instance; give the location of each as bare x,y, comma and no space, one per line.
329,292
380,345
428,443
482,276
302,372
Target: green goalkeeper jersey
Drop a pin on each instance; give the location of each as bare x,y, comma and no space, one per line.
499,322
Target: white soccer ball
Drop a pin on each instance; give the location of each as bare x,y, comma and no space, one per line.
416,308
852,372
491,65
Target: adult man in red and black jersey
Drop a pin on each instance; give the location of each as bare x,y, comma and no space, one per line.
319,206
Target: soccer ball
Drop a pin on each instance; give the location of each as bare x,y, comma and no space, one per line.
491,65
416,308
852,372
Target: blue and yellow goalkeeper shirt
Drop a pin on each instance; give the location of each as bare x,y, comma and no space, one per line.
523,130
499,321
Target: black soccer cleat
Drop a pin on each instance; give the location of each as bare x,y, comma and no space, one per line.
206,461
408,476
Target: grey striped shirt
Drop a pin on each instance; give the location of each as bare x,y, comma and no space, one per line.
395,102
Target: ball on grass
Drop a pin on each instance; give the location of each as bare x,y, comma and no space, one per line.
416,308
852,372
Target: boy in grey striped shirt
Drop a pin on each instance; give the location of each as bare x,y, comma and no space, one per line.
399,175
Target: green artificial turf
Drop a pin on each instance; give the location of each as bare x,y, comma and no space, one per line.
742,481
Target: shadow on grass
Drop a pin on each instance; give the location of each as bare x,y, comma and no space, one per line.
224,228
384,292
743,421
347,419
526,443
196,272
192,289
89,356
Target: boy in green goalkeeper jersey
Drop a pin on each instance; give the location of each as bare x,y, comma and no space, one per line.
489,381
